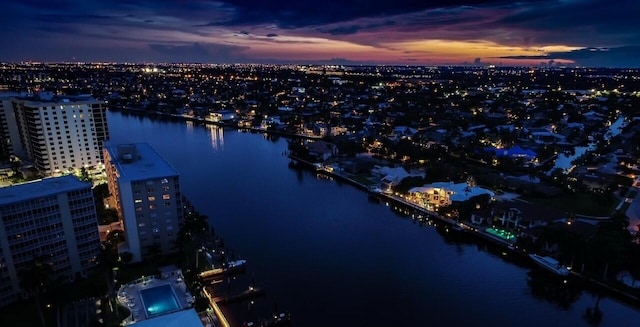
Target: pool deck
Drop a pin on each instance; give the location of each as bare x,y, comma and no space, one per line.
129,295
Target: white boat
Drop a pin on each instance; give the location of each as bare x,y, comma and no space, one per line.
236,264
550,264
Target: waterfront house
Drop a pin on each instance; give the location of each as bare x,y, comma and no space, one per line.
516,215
223,116
322,150
547,237
442,194
392,176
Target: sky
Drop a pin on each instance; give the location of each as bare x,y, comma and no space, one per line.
595,33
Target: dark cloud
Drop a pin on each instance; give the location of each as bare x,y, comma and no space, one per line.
47,4
298,13
594,57
195,30
606,22
352,29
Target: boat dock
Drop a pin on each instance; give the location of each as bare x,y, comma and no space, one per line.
222,272
250,293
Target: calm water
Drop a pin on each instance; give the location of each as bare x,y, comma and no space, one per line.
332,258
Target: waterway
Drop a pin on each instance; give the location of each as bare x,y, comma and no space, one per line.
331,257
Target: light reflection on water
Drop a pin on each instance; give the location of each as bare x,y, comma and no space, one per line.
332,258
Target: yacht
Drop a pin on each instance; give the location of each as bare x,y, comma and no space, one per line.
550,264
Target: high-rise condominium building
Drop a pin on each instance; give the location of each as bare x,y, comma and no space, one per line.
147,195
61,134
53,219
9,134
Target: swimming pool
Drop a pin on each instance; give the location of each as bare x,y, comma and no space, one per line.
159,300
502,233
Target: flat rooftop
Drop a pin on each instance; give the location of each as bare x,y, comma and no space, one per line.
144,164
47,98
150,297
41,188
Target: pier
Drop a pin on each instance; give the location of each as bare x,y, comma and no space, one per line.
222,272
250,293
208,293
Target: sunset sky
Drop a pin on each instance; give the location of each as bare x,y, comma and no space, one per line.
399,32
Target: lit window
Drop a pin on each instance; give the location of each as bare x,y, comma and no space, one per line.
166,196
151,198
137,200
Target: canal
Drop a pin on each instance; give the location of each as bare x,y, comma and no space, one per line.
331,257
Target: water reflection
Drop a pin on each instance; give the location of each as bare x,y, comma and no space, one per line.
553,289
337,270
216,133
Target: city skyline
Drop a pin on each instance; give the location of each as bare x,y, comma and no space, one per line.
402,32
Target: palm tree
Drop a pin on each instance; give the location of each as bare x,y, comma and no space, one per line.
193,231
594,315
35,280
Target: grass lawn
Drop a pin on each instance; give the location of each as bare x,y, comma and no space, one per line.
579,203
363,179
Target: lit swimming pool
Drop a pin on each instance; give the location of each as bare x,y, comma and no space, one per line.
159,300
509,236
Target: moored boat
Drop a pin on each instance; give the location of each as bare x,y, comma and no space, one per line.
550,264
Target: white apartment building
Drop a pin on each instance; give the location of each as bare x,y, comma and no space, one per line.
146,190
54,218
61,134
9,134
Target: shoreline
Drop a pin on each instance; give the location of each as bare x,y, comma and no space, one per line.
473,230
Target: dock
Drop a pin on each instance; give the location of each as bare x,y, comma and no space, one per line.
250,293
222,272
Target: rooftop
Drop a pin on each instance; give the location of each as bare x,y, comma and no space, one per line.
41,188
48,98
139,161
152,297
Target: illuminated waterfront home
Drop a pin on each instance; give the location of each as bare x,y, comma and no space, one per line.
53,218
146,192
442,194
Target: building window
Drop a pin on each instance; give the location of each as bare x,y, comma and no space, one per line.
151,198
166,196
